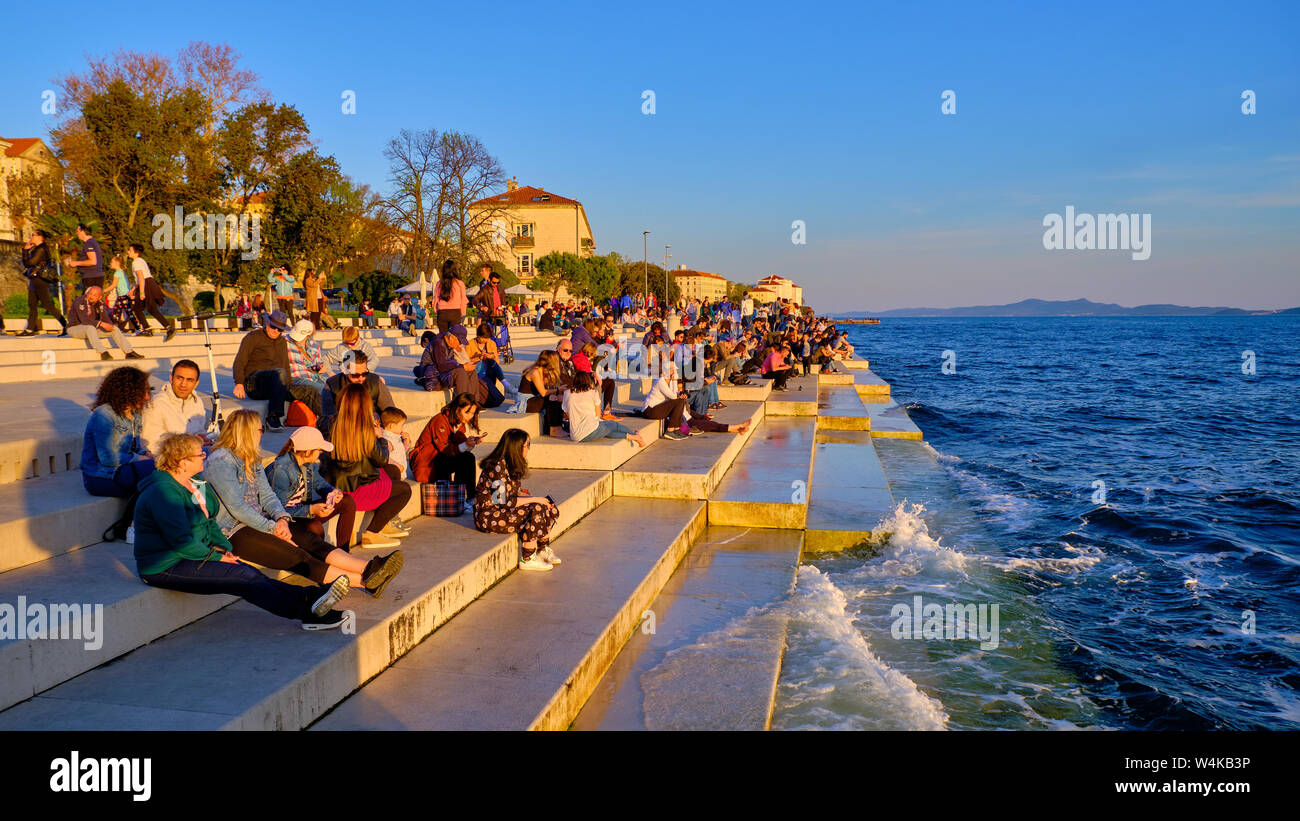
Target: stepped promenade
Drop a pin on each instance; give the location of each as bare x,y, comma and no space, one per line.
660,546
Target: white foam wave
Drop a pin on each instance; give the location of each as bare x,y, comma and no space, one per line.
832,680
911,550
1085,559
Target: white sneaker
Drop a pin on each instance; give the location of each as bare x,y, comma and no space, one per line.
548,555
535,562
130,535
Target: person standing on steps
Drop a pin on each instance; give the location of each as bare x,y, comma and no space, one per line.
89,260
261,367
282,281
449,300
36,264
90,317
147,296
314,284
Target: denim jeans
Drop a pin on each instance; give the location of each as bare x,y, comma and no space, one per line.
606,429
238,579
701,399
491,370
124,481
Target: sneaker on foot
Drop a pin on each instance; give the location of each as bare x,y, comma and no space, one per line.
171,331
273,423
675,435
130,535
535,562
106,356
135,355
332,595
145,332
548,555
330,621
392,531
369,539
380,571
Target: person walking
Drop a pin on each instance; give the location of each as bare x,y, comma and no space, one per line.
282,282
36,267
147,296
90,259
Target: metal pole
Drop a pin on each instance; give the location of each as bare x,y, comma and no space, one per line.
668,277
645,262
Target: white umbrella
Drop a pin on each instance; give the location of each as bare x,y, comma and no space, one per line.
412,288
522,290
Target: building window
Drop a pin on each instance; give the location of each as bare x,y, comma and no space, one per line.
524,229
525,263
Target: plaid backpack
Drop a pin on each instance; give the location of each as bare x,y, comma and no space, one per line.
442,498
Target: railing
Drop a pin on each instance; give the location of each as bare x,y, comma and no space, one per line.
525,242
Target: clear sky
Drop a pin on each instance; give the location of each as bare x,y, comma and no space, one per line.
767,113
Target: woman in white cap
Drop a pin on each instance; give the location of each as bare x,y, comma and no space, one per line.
306,364
312,502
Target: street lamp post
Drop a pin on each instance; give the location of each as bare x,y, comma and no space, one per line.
668,277
645,265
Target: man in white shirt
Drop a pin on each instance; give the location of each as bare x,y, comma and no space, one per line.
177,408
747,311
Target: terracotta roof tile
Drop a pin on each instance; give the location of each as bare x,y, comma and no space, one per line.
526,195
20,144
689,273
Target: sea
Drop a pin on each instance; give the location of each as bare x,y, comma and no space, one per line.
1126,491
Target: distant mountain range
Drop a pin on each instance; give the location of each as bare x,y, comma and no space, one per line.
1072,307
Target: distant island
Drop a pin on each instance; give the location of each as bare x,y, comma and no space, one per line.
1071,307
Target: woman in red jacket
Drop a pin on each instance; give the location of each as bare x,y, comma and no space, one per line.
444,449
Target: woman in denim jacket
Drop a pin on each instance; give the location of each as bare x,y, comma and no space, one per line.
255,521
296,480
113,454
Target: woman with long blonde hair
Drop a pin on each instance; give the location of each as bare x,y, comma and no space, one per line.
359,466
543,382
253,518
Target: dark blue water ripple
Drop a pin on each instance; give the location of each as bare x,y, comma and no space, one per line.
1200,528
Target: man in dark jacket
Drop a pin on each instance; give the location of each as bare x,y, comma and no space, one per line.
356,370
491,300
90,317
262,367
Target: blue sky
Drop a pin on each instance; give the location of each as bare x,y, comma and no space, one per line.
830,114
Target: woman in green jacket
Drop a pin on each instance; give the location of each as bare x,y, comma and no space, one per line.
179,546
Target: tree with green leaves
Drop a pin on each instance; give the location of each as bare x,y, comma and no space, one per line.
560,268
601,279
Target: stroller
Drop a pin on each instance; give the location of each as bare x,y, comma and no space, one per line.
501,336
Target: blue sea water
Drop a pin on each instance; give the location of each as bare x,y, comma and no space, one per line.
1171,603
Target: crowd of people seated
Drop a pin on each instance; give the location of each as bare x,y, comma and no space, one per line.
207,510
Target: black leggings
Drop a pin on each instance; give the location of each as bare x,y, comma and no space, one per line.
779,378
306,557
671,409
458,467
38,291
607,394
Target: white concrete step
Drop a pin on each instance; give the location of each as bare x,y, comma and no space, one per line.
529,653
767,485
688,468
241,668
